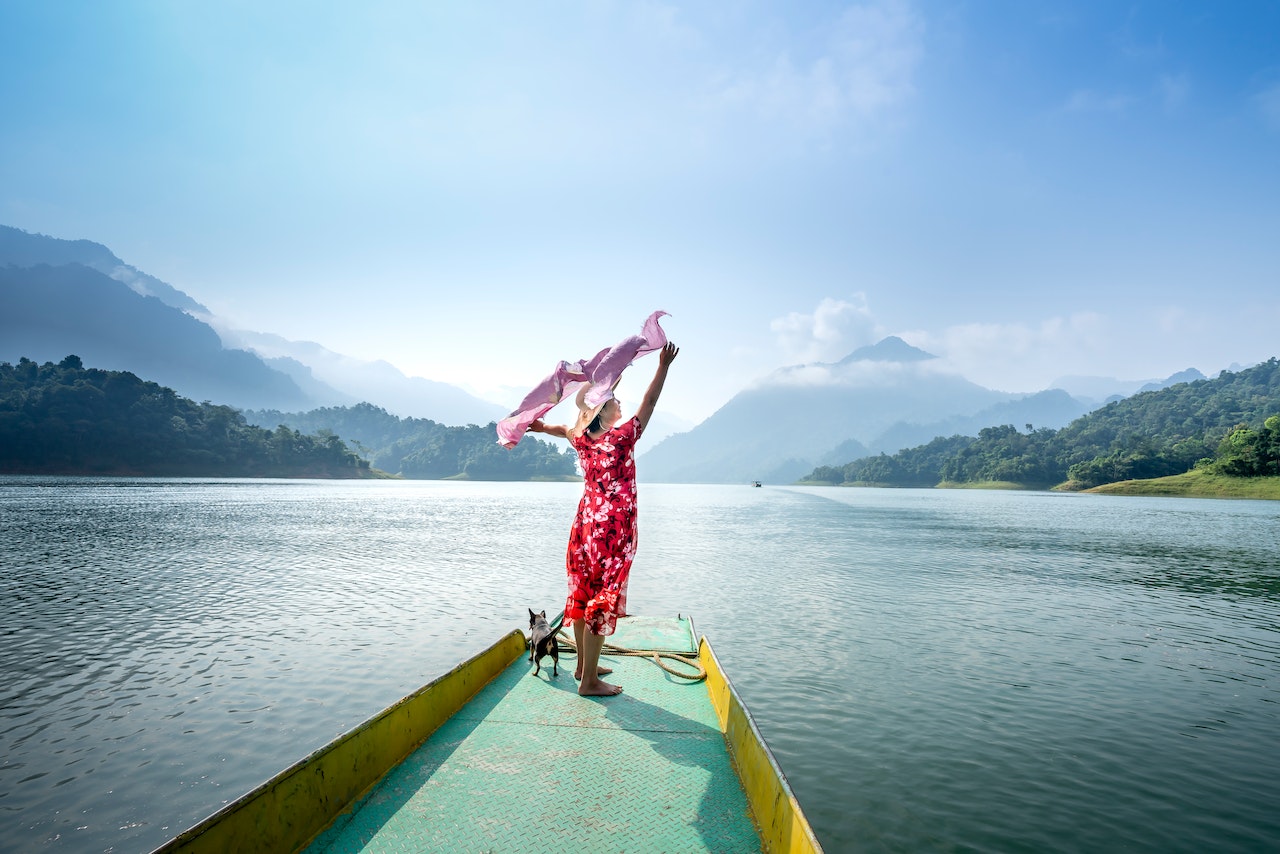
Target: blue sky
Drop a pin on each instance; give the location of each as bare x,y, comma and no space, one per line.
474,191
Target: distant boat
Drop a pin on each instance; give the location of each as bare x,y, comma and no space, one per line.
756,483
490,756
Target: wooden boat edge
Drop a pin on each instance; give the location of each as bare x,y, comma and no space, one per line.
286,812
782,824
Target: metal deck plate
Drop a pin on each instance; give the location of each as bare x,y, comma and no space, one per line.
529,766
661,634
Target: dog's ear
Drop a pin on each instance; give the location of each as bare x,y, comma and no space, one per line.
531,615
543,615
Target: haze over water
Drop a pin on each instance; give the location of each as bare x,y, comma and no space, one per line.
934,670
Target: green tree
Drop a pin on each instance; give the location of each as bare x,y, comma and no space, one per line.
421,448
1246,452
68,419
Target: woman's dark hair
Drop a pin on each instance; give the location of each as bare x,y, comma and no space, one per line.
594,426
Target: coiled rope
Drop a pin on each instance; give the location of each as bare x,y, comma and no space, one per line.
685,660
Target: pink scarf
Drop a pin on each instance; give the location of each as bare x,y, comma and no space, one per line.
602,371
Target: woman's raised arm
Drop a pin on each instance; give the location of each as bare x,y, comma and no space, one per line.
549,429
666,356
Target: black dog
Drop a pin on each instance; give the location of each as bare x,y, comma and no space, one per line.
542,642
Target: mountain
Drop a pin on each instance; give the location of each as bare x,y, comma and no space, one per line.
891,349
1097,391
1190,375
351,380
22,249
76,296
1229,424
51,312
878,398
1052,408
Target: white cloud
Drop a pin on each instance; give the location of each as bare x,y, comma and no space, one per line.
1022,356
1174,89
864,373
1268,104
835,328
875,49
1088,101
1019,356
1148,344
865,66
801,375
664,24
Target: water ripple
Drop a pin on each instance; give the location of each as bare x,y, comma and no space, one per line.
933,670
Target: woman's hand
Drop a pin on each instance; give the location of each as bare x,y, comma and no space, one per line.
536,427
665,357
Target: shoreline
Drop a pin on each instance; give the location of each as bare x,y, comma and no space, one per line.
1192,484
1196,484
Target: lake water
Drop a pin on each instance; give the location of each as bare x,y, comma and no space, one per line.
933,670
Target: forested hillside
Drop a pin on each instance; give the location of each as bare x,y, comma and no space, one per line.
1221,422
421,448
67,419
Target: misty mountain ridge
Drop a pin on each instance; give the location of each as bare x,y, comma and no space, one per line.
891,349
1190,375
51,312
350,380
878,399
798,414
870,365
1098,391
22,249
76,296
1052,408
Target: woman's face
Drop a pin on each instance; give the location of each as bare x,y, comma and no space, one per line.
610,412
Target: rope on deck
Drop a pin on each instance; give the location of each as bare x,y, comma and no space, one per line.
656,655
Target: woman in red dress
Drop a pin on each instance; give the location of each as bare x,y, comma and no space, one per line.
602,542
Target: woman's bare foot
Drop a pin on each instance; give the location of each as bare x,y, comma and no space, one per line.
598,688
600,671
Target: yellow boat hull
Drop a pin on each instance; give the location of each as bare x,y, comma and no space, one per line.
289,812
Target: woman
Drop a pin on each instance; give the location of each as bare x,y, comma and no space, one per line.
602,542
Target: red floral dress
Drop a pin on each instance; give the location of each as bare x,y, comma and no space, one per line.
602,543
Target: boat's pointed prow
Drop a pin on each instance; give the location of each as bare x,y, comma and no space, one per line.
493,757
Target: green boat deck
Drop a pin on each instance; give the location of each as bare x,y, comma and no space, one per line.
529,766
